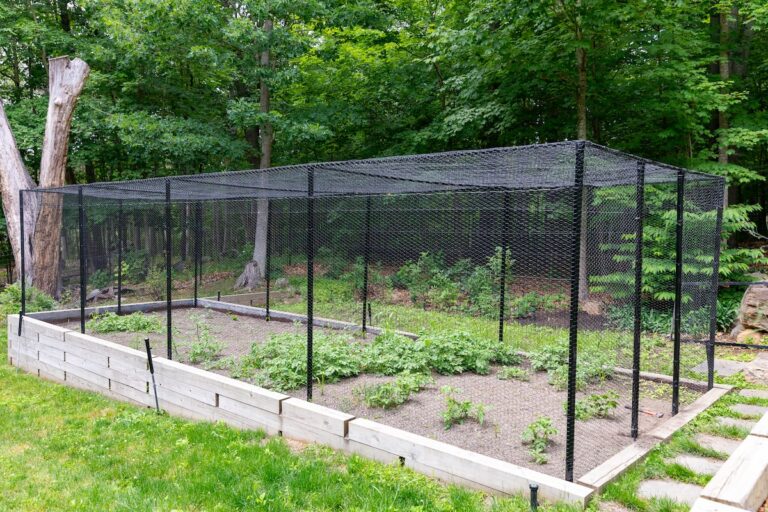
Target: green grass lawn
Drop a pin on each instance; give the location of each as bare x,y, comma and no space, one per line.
64,449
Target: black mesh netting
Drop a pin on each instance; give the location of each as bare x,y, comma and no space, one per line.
461,266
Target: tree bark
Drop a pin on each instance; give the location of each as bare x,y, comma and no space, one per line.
581,134
66,79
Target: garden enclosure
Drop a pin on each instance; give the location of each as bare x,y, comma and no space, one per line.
546,258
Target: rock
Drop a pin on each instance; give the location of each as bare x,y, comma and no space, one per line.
751,336
592,307
700,465
753,313
755,393
675,491
723,367
717,443
736,422
749,410
757,370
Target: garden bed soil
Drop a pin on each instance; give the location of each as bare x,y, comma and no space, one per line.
511,405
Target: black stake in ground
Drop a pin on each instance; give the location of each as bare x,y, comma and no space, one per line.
120,242
640,210
310,274
23,269
506,214
713,303
168,269
678,292
83,257
573,333
366,259
152,372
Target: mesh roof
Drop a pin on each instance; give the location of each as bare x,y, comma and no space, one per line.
538,166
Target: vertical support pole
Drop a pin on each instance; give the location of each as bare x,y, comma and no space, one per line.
83,257
713,304
267,262
578,194
168,268
366,260
506,214
23,263
198,246
639,213
677,318
310,275
120,242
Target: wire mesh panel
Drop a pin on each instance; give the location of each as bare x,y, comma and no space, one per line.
513,301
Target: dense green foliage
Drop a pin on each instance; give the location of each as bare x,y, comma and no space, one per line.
387,395
135,322
10,300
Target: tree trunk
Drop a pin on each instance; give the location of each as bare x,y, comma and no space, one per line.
581,134
66,79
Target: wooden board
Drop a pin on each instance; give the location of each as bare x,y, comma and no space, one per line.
743,480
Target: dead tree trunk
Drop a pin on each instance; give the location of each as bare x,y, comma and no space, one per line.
42,220
581,134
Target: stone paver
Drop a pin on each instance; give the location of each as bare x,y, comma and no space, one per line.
717,443
723,367
611,506
757,370
701,465
754,393
676,491
736,422
749,410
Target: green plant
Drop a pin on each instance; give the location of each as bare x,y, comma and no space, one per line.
100,279
135,263
391,394
513,373
204,348
457,411
457,352
529,304
156,284
390,353
538,435
10,300
596,406
135,322
593,364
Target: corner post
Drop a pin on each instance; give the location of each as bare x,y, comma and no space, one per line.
713,304
83,257
366,260
120,242
677,319
267,262
310,275
639,213
23,263
506,214
168,278
198,246
573,333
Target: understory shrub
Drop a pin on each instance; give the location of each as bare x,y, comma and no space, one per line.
135,322
10,300
457,411
391,394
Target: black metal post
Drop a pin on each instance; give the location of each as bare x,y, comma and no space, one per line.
23,265
677,319
503,278
120,242
267,262
198,246
310,275
83,257
534,488
366,259
713,304
578,194
168,268
639,213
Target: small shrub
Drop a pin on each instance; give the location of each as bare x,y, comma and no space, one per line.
513,373
10,300
538,436
391,394
457,411
156,283
100,279
135,322
390,353
596,406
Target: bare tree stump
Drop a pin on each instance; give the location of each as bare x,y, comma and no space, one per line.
250,278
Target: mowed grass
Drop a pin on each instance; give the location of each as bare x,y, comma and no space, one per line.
64,449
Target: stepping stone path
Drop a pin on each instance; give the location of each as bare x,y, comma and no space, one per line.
676,491
701,465
723,367
749,410
719,444
736,422
755,393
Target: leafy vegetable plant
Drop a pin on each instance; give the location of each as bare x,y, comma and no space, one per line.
538,436
135,322
457,411
391,394
596,406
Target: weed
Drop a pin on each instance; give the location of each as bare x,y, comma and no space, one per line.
513,373
135,322
538,436
596,406
457,411
391,394
204,349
